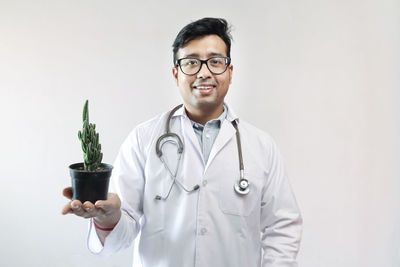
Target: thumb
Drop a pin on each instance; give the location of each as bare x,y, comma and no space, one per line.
67,192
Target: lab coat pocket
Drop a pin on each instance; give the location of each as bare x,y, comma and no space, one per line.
230,202
153,209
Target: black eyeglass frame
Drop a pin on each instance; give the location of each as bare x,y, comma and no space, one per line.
227,63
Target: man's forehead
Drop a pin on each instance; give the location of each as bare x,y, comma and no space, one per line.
206,46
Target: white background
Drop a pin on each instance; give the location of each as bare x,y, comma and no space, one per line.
322,77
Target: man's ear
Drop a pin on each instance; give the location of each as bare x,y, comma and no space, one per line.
230,73
175,74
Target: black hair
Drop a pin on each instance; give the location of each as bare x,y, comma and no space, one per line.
201,28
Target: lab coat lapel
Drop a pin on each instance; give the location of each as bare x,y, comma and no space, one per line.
190,134
226,132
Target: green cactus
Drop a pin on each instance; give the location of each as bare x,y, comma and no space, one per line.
90,142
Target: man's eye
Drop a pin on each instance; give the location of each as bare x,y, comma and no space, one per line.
189,62
193,62
216,61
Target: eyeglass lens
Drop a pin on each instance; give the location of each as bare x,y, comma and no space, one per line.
190,66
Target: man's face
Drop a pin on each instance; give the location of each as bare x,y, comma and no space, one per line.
203,91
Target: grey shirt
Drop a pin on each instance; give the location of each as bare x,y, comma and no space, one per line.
206,134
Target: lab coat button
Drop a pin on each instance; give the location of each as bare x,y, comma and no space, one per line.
203,231
204,182
207,135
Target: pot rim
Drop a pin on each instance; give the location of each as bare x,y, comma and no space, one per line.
74,167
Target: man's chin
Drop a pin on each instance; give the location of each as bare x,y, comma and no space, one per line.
206,105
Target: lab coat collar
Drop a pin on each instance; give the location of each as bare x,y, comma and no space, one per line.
226,132
231,115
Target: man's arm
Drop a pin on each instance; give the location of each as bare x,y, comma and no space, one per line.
281,222
121,211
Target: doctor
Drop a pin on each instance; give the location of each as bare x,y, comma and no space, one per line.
212,191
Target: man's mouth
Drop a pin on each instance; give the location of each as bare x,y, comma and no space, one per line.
204,87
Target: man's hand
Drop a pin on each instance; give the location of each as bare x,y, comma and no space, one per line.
106,213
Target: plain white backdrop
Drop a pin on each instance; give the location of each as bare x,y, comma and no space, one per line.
322,77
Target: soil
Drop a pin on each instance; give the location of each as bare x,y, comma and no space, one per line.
98,169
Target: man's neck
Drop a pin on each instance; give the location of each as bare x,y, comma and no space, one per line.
203,116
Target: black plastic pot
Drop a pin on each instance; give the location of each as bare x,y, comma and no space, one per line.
90,186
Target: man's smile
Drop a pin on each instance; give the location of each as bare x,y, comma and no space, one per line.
204,88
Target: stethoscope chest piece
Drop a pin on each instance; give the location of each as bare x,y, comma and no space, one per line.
242,186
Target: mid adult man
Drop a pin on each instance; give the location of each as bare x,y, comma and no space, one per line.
204,187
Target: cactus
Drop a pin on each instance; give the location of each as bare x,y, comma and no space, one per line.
90,142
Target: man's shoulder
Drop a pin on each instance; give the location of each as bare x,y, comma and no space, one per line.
144,133
255,131
245,126
151,123
257,137
146,127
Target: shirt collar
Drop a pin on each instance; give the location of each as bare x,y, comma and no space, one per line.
215,122
230,114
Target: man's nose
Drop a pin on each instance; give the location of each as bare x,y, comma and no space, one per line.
204,72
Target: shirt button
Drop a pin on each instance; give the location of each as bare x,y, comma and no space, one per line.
204,182
203,231
207,136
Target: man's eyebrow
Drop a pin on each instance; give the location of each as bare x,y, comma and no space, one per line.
192,55
212,54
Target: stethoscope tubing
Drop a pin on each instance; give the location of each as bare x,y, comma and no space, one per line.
241,186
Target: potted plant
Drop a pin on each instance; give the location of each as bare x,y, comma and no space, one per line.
90,179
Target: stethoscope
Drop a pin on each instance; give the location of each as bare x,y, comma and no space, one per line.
241,186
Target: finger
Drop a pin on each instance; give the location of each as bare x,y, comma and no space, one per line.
88,206
67,192
71,207
112,202
86,210
90,210
76,207
66,209
76,203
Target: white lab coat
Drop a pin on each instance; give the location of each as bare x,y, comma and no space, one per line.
213,226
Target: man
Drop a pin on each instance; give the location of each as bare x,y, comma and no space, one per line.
199,207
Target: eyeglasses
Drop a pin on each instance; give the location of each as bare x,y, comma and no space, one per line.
191,66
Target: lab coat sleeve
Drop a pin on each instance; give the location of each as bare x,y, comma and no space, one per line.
128,182
281,222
